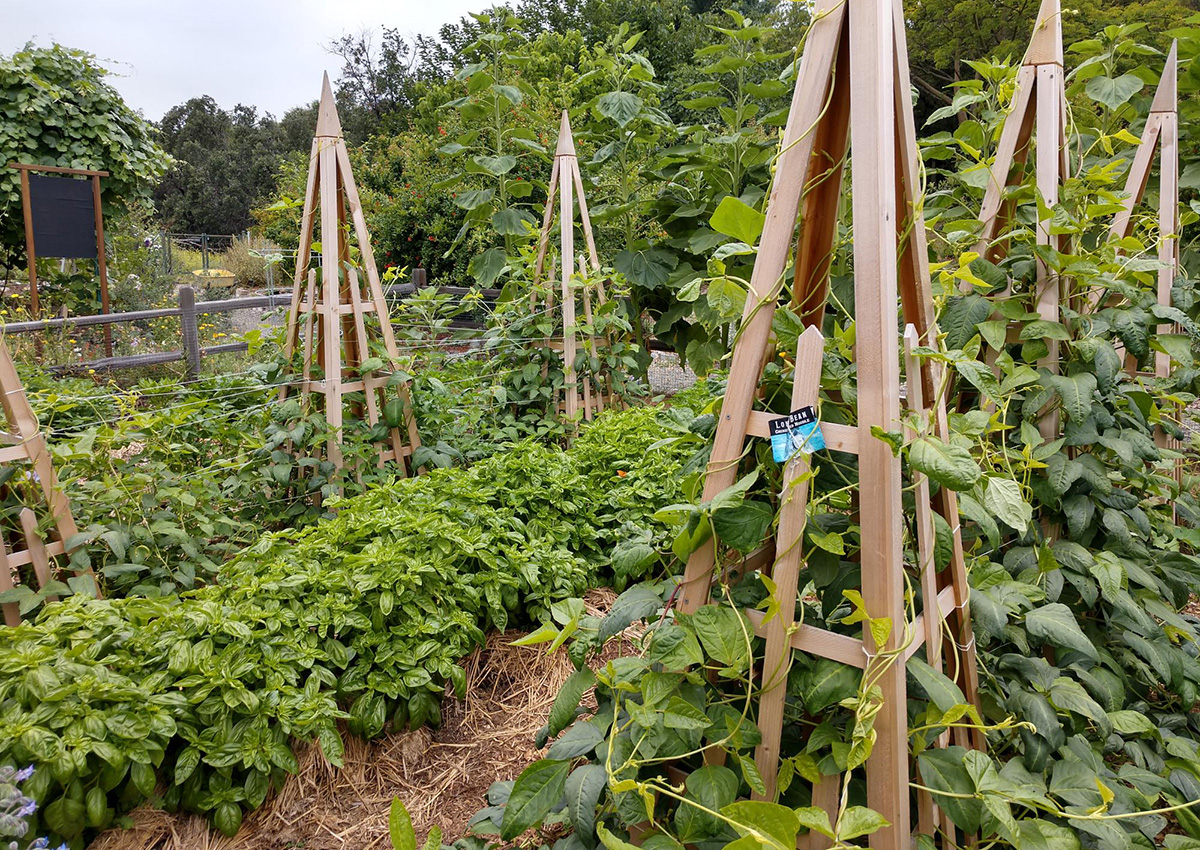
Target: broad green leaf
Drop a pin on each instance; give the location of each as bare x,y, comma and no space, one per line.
941,690
488,266
473,198
496,165
949,465
1003,498
1056,625
814,819
724,634
1113,92
1076,392
943,769
621,106
769,820
734,217
537,790
584,787
400,828
858,821
743,526
562,712
647,267
713,787
961,316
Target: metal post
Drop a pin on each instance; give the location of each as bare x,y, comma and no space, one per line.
191,334
204,251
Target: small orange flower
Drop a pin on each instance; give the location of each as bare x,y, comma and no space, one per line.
622,473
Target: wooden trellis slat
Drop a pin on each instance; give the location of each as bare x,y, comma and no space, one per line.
1039,118
1161,135
327,319
37,482
566,185
853,84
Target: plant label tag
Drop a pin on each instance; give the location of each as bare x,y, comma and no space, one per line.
798,431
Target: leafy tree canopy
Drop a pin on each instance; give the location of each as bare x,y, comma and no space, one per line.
59,110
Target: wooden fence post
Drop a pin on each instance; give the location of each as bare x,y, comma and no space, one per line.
191,334
420,281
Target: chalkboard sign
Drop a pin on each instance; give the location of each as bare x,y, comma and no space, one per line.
64,218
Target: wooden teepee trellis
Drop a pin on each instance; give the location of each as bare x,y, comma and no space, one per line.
1038,115
24,446
1161,135
566,182
329,316
853,82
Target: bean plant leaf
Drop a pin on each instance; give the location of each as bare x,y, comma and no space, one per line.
713,787
562,712
1055,624
537,790
723,632
743,526
1076,392
949,465
942,769
584,787
1003,498
858,821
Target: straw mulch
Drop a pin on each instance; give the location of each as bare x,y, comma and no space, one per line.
440,775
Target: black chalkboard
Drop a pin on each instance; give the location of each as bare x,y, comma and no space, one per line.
64,218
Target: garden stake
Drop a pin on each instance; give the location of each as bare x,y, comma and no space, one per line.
332,310
853,84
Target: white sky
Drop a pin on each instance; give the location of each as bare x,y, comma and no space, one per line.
265,53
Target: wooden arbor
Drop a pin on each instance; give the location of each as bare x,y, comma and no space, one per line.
24,447
1038,115
566,181
333,317
853,83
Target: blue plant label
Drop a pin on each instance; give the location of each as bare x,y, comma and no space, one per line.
798,431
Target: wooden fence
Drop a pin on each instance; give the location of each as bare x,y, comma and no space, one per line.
188,311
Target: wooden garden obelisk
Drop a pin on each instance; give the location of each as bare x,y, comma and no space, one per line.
853,85
335,324
566,184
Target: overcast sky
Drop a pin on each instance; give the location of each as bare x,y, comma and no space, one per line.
266,53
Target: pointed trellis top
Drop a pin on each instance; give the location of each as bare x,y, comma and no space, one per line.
566,142
329,126
1166,97
1046,43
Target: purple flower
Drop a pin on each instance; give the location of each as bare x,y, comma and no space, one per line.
27,809
24,773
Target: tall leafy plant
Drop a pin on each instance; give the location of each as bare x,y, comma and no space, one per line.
497,146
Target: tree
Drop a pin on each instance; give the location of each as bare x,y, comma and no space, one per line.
944,34
226,163
59,110
378,80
